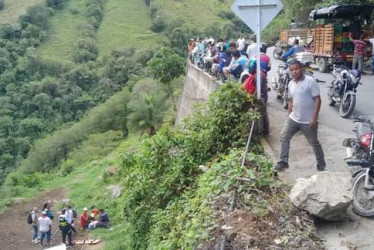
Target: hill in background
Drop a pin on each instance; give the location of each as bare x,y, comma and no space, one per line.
14,8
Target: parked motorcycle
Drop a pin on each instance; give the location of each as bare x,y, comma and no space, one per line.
360,161
343,89
280,83
278,50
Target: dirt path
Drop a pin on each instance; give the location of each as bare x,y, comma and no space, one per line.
14,230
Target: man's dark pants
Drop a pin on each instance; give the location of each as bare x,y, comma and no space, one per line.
70,238
289,130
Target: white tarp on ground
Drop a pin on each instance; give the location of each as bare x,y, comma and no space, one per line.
59,247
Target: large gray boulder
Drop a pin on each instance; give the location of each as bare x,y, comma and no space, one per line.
114,191
326,195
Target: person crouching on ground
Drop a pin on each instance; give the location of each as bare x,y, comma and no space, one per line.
104,219
65,228
303,109
84,219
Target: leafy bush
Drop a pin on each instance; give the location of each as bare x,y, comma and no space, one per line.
226,14
147,106
56,4
1,4
165,168
18,179
158,24
48,152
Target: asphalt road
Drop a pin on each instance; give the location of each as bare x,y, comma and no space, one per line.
329,116
352,233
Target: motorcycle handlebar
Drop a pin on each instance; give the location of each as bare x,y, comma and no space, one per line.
363,163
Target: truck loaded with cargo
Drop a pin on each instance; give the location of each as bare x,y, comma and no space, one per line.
330,37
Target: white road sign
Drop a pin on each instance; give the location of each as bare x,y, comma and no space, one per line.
257,14
248,10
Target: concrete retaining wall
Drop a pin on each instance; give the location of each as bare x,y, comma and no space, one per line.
196,88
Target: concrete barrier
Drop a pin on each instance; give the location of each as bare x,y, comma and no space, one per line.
196,89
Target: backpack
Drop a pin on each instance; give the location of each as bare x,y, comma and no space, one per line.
75,215
49,214
249,84
29,218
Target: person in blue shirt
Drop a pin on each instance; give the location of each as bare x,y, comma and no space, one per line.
295,49
265,64
240,63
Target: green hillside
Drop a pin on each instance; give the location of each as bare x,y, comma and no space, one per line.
14,8
64,31
125,24
196,13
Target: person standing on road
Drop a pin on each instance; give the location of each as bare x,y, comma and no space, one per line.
34,225
303,109
358,53
45,227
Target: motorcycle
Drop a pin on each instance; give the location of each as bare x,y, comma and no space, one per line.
278,50
360,161
343,89
280,83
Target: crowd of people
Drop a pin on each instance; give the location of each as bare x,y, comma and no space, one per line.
231,60
237,61
41,223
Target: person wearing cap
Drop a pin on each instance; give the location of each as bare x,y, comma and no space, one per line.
45,227
84,219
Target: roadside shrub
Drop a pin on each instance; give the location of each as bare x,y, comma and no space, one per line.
165,167
1,4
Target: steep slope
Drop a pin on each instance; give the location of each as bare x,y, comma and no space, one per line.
14,8
125,24
196,13
64,31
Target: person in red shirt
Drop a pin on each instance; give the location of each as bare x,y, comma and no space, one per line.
84,218
359,52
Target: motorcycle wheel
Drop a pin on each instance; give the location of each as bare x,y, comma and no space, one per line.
347,106
363,200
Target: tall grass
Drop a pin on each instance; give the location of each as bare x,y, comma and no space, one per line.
64,31
125,24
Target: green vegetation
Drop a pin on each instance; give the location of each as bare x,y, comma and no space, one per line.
65,29
76,96
126,24
13,9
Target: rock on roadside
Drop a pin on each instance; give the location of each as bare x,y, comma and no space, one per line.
326,195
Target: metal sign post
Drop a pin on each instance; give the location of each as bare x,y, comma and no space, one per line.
265,10
258,41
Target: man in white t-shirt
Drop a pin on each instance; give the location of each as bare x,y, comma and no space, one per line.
303,109
241,45
45,225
